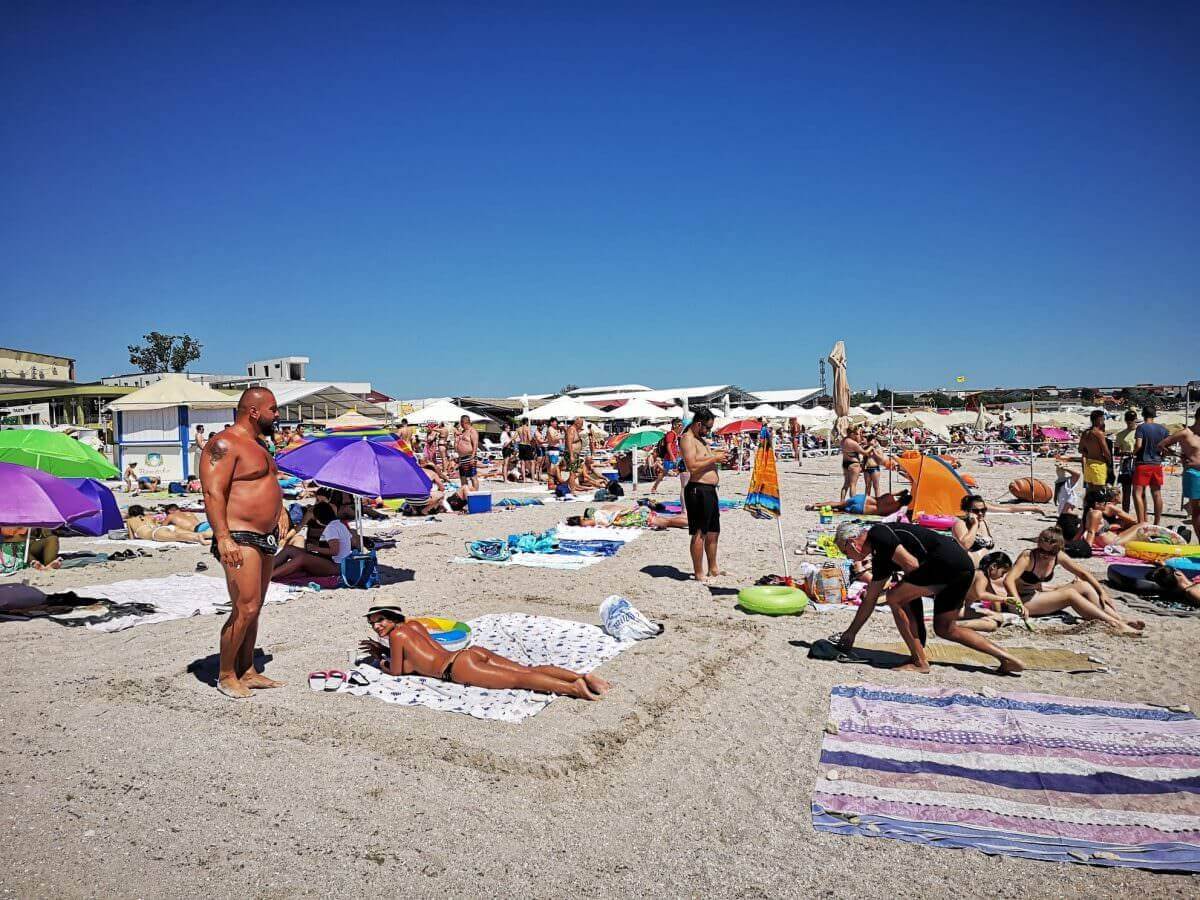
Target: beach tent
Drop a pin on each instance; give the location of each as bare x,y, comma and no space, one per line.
936,488
352,418
639,409
564,409
107,518
934,422
766,411
442,411
154,426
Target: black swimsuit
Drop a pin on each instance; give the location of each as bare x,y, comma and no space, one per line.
263,543
1031,578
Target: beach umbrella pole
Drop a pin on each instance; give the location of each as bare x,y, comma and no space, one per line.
358,520
1031,396
28,536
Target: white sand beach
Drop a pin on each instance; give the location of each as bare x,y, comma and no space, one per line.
127,775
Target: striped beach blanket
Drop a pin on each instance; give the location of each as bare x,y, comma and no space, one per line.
1030,775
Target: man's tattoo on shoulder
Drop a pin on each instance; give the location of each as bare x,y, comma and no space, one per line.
217,452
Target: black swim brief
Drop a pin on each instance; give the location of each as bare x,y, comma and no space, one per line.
703,508
263,543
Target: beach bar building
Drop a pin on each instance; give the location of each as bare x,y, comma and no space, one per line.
154,426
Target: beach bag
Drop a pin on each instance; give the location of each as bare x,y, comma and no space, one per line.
622,620
489,551
826,585
295,513
360,570
176,487
615,489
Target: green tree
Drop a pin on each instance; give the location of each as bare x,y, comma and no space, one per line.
165,352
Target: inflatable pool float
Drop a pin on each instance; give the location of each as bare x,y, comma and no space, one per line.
1158,553
450,633
1157,532
773,600
941,523
1030,490
1189,565
1132,579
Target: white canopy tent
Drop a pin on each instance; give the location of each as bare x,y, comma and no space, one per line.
565,408
442,411
637,410
765,411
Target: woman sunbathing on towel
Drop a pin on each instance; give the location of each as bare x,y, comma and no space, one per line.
407,649
862,505
145,527
619,515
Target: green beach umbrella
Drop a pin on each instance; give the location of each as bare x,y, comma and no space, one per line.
639,439
54,453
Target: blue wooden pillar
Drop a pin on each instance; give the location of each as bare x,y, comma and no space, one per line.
185,440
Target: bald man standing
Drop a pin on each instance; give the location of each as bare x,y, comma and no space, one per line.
245,509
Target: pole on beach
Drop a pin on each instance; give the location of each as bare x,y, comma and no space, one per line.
1032,394
28,535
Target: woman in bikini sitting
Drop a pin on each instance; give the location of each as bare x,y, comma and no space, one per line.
1104,522
1028,589
971,530
988,591
145,527
407,649
864,505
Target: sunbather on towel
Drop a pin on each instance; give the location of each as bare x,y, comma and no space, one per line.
185,521
621,515
407,649
146,527
862,505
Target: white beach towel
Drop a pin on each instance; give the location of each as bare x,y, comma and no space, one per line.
532,640
175,597
579,533
534,561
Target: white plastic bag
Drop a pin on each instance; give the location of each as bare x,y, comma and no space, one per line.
621,620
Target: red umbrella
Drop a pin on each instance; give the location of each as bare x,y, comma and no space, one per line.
741,426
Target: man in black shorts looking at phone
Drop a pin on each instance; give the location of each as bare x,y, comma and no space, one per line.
929,564
700,500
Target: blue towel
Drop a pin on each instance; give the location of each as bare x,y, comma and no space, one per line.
590,548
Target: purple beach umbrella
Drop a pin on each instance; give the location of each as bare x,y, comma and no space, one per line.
359,467
31,497
107,519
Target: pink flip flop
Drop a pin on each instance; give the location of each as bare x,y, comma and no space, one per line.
317,680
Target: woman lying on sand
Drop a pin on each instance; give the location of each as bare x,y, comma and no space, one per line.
407,649
1176,586
1027,588
146,527
620,515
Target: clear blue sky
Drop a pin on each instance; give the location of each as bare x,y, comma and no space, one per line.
480,198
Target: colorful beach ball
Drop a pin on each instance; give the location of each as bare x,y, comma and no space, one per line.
450,633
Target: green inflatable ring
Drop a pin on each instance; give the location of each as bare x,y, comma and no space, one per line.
773,600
